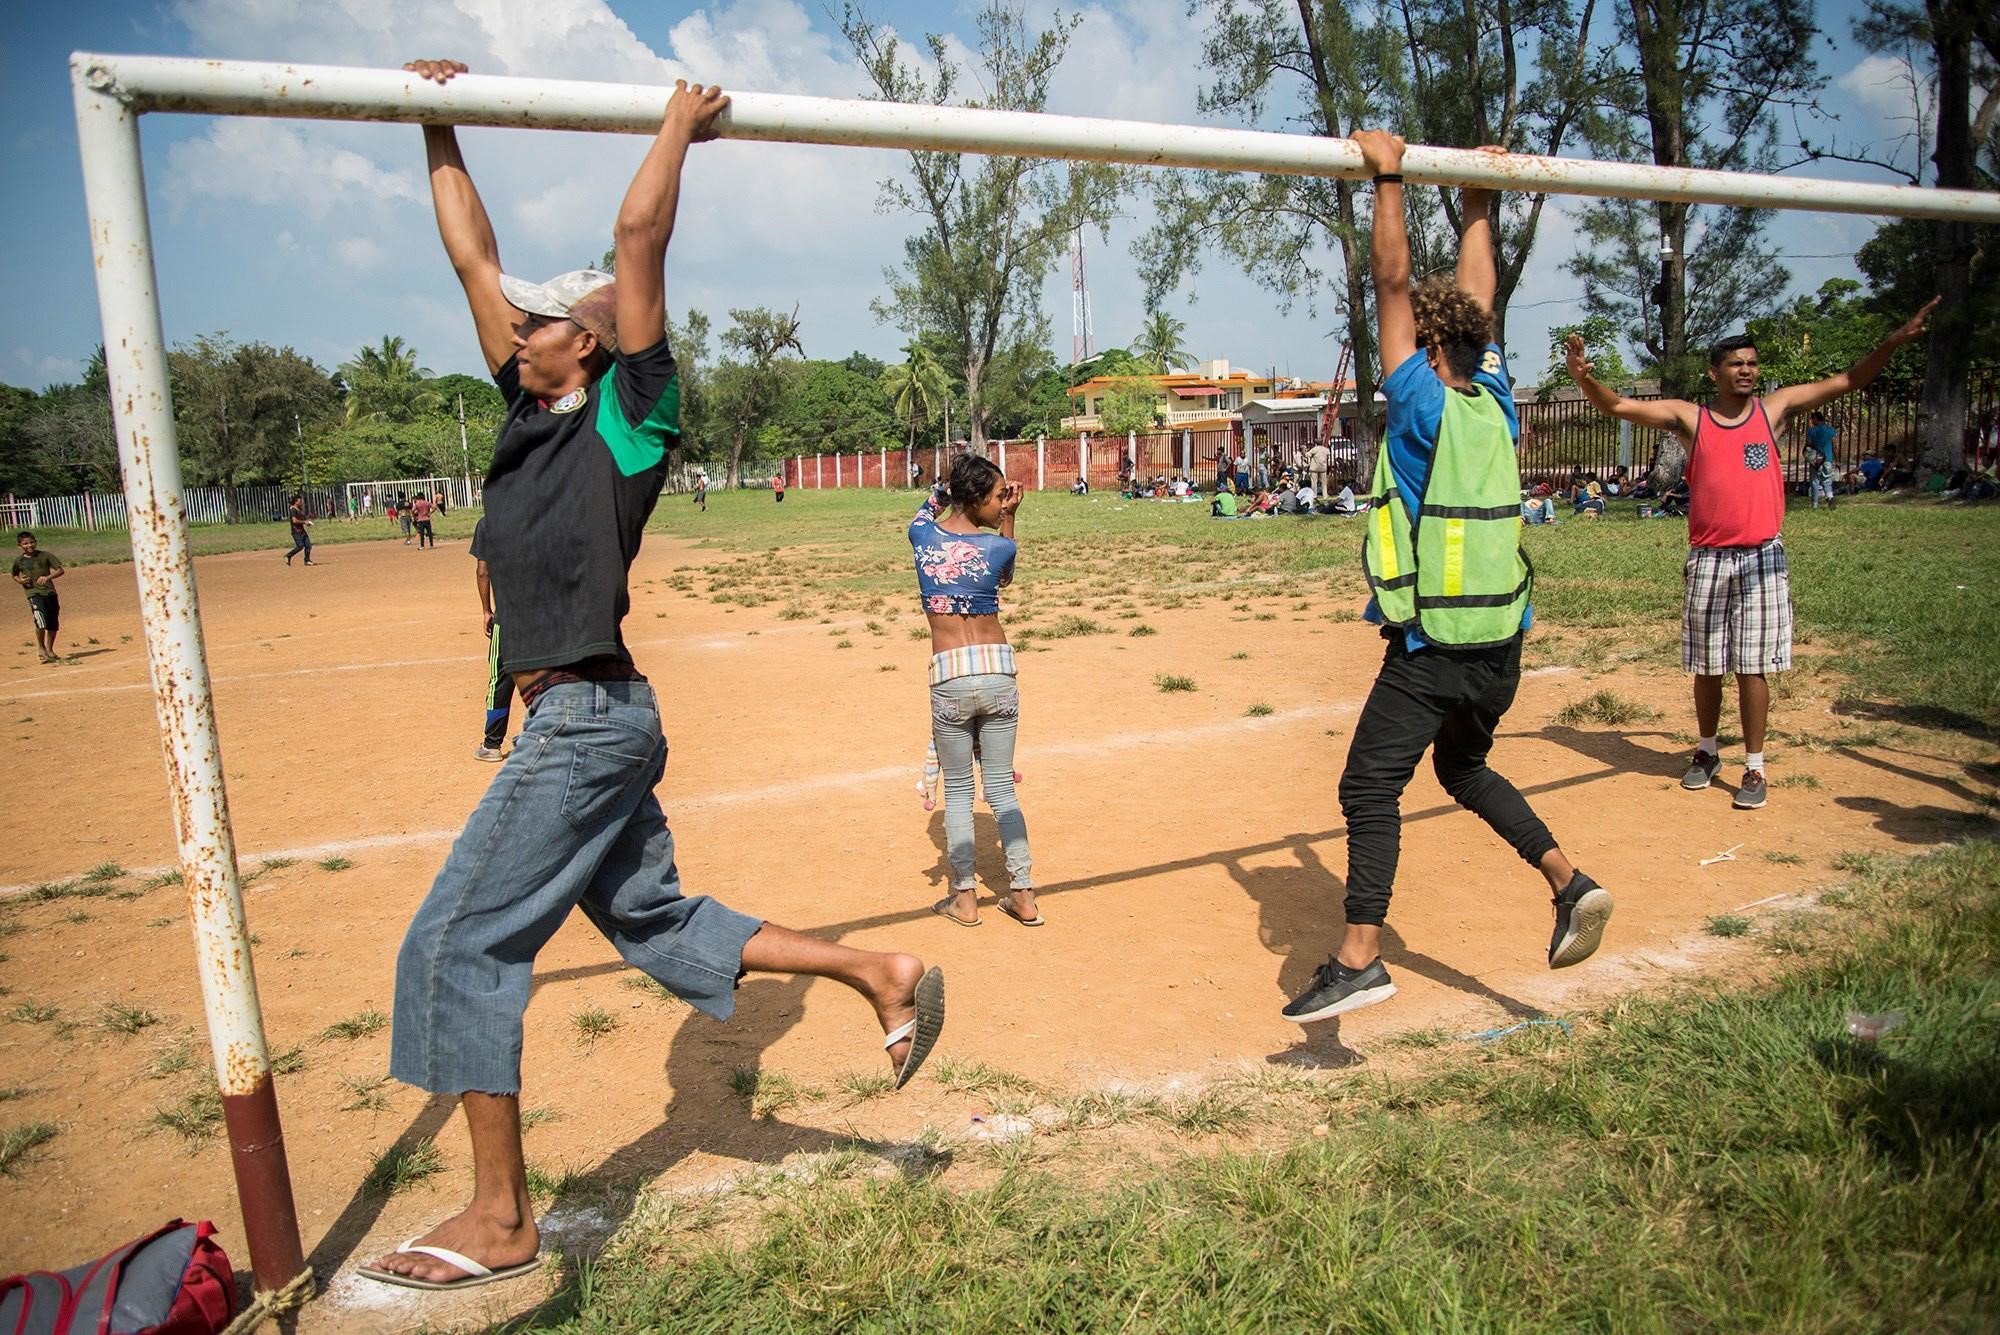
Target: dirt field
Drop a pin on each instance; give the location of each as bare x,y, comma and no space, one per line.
1189,860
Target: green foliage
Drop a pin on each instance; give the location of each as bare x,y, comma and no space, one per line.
832,410
1900,263
1600,340
1130,405
385,383
1691,85
990,229
916,387
1159,344
1824,334
239,409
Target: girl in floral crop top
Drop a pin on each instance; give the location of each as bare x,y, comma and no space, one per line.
963,540
961,570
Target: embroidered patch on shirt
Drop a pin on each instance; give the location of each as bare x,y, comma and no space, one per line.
570,402
1756,456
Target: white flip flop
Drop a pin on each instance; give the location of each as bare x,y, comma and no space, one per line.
475,1273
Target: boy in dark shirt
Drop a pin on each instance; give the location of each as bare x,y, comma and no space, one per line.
37,571
570,819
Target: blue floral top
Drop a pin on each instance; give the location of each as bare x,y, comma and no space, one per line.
958,573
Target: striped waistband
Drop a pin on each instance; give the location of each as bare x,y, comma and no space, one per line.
974,660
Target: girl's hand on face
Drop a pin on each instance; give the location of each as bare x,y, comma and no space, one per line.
1011,495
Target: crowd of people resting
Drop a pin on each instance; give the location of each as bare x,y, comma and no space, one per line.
1289,494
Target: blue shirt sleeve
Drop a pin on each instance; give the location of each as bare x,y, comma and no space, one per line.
1415,409
1492,375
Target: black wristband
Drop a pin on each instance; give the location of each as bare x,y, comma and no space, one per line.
1388,178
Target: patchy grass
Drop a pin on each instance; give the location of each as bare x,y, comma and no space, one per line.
1809,782
1259,710
1141,630
365,1094
335,863
770,1092
592,1023
17,1142
1720,1150
1171,683
358,1025
120,1018
1606,707
33,1012
861,1086
104,872
194,1118
1727,925
401,1167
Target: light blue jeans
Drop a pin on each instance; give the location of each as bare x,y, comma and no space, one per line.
569,821
980,711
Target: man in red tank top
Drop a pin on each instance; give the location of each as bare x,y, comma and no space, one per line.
1737,612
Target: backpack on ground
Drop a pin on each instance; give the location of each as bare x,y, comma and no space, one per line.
174,1281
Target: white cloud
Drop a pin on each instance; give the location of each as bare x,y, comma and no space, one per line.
34,370
1880,85
278,165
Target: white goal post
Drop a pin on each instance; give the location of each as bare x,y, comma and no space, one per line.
112,92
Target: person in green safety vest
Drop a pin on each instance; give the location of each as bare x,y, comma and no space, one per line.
1451,588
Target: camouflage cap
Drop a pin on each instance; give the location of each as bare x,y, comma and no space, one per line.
587,296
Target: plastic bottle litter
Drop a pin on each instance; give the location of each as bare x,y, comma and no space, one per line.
1868,1028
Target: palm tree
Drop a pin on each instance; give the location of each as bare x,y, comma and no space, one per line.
916,386
1159,343
385,382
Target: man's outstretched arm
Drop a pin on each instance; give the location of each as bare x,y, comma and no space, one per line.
646,218
1389,249
1675,415
467,231
1794,399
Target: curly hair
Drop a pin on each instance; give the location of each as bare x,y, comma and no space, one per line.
1452,322
972,480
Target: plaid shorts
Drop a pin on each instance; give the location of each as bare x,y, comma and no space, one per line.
1737,616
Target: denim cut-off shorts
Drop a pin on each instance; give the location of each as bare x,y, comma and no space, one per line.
569,821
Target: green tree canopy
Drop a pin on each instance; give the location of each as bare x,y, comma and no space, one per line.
385,382
1160,344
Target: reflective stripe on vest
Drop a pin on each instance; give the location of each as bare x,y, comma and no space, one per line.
1457,574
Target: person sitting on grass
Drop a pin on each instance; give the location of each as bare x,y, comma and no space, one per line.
1585,505
1450,589
1224,504
1080,487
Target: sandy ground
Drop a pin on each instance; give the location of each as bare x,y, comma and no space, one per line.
1189,859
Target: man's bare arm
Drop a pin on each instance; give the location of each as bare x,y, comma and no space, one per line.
1478,277
1675,415
646,218
1389,250
1795,399
466,230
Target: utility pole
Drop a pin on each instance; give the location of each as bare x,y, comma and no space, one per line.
299,432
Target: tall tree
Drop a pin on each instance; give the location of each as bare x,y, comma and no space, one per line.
240,409
1467,87
916,386
748,391
1962,40
385,382
1334,70
1699,84
992,227
1159,343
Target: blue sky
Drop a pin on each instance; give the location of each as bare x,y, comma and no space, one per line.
319,236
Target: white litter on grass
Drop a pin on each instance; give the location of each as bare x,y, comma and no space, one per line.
1868,1028
1000,1126
1757,903
1726,855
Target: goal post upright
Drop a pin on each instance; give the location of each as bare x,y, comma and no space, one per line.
112,92
136,364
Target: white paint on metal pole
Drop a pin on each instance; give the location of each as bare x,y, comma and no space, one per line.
323,92
1041,462
885,467
819,477
136,362
1003,458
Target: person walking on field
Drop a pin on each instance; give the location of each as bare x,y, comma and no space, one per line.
402,515
778,487
701,491
1451,591
975,699
301,539
1736,614
570,819
1820,469
499,682
37,571
421,508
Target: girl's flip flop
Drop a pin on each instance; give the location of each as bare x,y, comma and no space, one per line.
924,1030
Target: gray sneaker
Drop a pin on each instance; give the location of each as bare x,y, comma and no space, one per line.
1701,771
1337,989
1751,795
487,753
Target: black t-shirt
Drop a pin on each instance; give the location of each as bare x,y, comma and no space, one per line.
567,499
